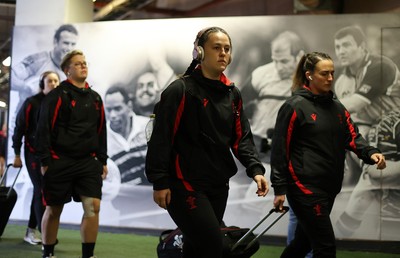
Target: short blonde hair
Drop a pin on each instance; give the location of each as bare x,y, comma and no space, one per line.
67,58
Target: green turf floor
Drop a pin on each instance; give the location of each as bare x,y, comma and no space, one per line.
113,245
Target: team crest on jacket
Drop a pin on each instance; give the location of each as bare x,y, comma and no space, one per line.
97,105
314,116
205,102
317,209
191,201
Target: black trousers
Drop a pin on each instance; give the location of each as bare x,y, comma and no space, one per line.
37,207
314,229
199,215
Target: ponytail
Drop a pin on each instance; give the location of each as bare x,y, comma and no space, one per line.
191,67
299,76
307,63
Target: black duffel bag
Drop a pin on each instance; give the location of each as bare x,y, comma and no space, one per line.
171,243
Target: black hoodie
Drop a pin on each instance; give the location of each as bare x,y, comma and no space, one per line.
26,124
312,134
198,128
71,124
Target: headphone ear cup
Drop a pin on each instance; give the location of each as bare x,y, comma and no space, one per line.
41,82
198,53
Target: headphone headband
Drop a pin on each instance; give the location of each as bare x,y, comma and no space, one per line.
198,51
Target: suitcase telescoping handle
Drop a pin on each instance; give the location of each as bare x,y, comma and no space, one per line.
15,180
284,210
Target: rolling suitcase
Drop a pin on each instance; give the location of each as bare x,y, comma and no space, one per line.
8,198
248,243
237,242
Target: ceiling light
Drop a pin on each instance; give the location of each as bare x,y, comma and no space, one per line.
7,61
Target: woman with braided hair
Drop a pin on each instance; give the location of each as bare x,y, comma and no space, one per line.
199,124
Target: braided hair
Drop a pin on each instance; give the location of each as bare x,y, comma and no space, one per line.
201,39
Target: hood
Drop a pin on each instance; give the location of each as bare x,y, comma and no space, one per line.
71,86
223,85
321,99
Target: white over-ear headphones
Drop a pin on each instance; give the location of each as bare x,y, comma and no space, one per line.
198,51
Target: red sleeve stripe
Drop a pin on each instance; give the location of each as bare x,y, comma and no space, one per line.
180,175
27,112
297,181
238,127
54,119
352,132
288,140
290,133
179,116
176,126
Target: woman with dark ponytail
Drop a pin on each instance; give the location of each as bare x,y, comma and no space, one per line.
199,124
25,133
313,131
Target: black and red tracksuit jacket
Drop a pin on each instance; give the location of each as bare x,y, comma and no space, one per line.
26,123
311,136
72,124
198,127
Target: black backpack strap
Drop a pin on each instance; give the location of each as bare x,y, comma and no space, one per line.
236,100
155,109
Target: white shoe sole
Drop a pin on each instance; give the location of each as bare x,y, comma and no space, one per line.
28,240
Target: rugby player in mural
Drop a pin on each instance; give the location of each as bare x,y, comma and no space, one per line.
127,143
383,186
151,83
25,75
367,94
271,82
270,87
146,94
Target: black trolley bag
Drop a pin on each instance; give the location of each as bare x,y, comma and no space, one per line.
237,242
243,243
8,198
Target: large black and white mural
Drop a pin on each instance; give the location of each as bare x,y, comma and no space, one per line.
144,56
